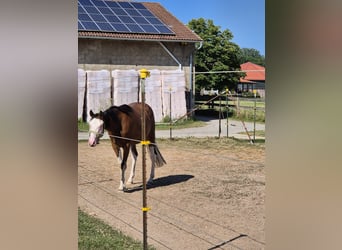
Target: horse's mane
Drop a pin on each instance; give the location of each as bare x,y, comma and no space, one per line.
125,109
111,114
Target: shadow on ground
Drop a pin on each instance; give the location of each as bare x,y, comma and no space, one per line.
163,181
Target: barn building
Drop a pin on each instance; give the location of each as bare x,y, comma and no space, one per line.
118,38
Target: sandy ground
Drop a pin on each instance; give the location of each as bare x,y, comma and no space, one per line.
206,197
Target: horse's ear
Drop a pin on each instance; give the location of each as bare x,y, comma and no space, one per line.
101,115
91,114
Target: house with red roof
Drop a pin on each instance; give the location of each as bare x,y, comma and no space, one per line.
254,79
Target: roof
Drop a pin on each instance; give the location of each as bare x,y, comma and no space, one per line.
182,32
256,73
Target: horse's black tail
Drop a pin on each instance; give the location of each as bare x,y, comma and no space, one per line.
159,159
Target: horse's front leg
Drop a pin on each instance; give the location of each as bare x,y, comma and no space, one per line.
134,161
116,150
122,186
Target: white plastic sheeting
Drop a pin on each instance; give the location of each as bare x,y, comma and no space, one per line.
98,91
173,84
125,86
153,96
81,90
159,87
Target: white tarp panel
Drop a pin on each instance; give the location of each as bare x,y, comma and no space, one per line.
98,91
125,88
81,90
159,87
153,96
173,83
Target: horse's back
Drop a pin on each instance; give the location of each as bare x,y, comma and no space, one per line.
137,107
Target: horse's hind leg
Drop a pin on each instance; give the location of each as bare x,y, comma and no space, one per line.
153,160
122,186
134,161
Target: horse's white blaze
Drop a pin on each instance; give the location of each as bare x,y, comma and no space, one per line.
95,129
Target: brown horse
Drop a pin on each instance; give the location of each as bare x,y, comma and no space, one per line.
123,124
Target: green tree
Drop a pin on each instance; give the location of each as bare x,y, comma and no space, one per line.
251,55
218,53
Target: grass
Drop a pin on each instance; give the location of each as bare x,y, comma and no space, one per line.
95,234
259,104
246,110
82,126
248,115
185,123
242,103
257,133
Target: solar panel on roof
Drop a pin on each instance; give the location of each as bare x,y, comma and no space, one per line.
135,28
80,25
124,17
125,4
84,17
119,11
112,19
148,28
90,25
138,5
98,18
105,26
140,20
146,13
119,27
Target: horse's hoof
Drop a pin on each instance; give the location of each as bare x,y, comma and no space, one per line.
123,189
150,183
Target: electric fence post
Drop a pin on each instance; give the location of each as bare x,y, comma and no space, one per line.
227,91
143,74
220,114
170,89
254,91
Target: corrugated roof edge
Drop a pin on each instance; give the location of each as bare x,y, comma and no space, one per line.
131,37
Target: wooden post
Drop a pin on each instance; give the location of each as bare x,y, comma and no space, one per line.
170,89
219,135
227,104
254,91
143,74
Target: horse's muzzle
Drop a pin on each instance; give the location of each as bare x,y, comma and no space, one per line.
92,143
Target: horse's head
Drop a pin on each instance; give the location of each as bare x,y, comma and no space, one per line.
96,128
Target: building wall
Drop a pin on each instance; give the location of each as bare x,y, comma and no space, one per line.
259,86
96,54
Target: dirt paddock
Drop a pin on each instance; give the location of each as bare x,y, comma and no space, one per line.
210,195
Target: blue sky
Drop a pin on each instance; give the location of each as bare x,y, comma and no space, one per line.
244,18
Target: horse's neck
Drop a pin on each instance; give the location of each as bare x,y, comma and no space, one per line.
116,123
